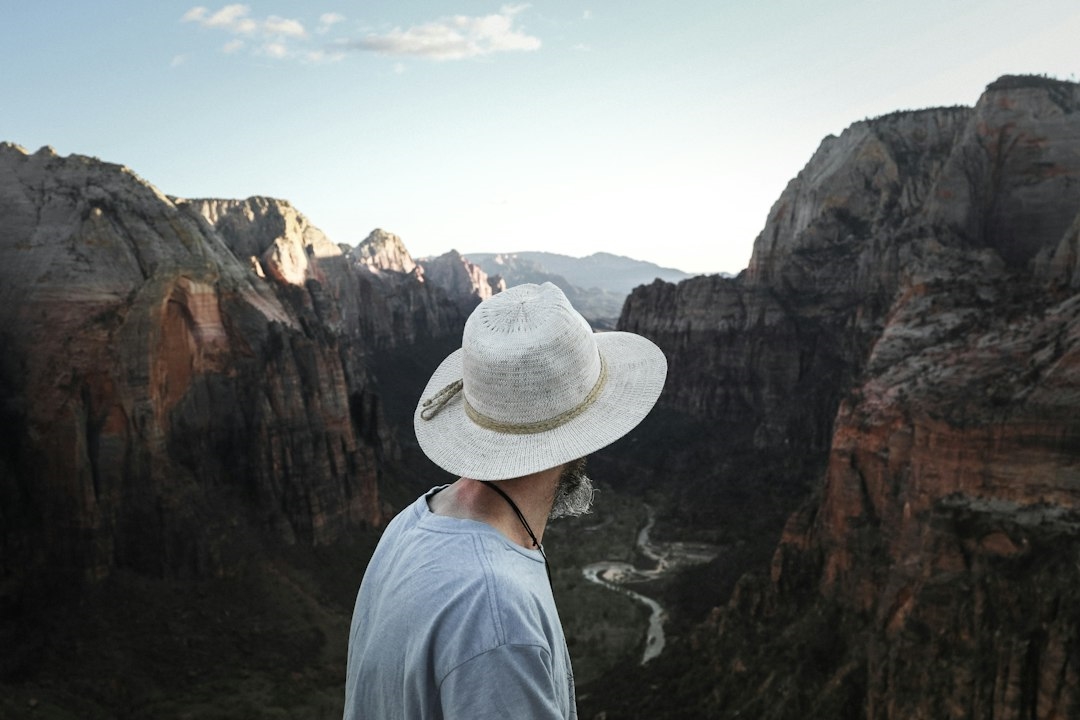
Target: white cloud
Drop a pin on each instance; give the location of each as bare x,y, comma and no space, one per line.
229,17
275,50
449,38
587,15
275,25
328,20
178,60
236,20
454,38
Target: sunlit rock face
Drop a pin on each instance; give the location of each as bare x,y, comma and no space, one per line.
462,280
932,257
384,251
373,296
160,397
1010,183
284,243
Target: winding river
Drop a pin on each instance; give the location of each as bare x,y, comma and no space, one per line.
668,557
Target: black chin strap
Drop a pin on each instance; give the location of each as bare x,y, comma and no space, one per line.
524,523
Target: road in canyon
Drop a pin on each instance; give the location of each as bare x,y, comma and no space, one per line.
669,557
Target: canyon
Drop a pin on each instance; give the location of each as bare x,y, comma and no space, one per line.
175,368
909,326
186,389
874,426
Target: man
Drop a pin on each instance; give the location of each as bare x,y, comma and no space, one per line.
455,616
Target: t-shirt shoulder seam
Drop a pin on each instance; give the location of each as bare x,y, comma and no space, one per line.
489,583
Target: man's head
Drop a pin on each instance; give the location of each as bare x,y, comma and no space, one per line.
532,388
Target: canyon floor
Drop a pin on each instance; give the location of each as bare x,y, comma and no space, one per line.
270,640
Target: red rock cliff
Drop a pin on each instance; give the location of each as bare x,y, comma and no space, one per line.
932,570
158,395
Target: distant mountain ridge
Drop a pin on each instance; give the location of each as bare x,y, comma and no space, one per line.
596,284
601,270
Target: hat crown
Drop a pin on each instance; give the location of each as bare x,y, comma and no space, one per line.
528,356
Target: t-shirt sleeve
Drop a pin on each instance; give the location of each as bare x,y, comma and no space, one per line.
511,681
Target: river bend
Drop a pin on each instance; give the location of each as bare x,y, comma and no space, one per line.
669,557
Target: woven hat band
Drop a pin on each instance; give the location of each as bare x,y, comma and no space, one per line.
541,425
437,402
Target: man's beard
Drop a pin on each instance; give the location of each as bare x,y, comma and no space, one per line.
574,493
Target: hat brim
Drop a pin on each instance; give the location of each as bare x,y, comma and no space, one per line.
636,370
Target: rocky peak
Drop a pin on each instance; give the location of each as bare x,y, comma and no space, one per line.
280,239
45,151
1012,183
1003,176
877,173
465,282
382,250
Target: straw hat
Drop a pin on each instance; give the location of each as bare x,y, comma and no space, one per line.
533,387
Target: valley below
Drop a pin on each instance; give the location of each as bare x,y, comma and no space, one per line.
269,639
858,497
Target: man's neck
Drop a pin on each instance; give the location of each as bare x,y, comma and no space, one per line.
533,495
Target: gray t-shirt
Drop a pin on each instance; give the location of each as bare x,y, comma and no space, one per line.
455,621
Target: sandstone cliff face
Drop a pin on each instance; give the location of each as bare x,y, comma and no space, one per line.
1010,183
373,296
276,237
779,344
462,280
1059,266
384,251
951,513
157,393
931,256
876,174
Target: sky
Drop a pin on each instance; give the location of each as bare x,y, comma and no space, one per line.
662,131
